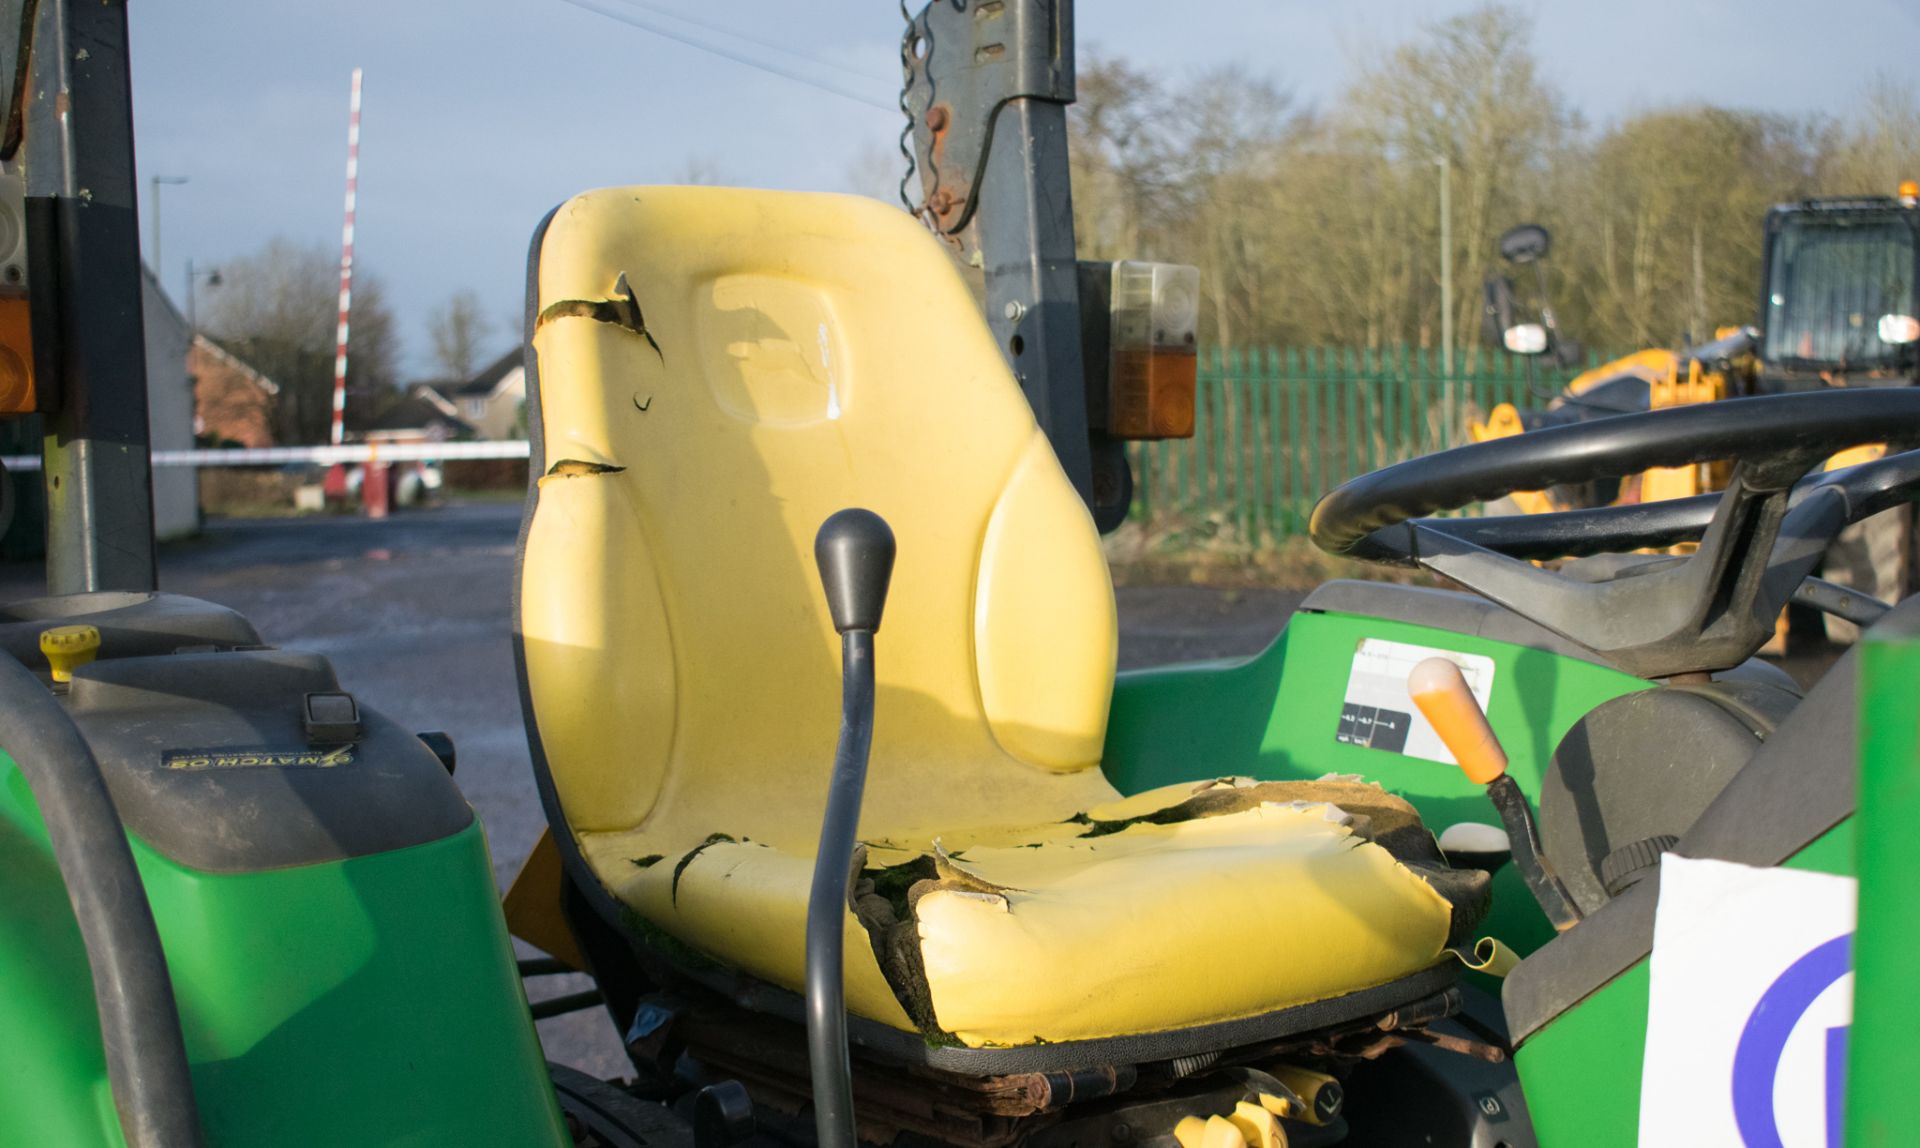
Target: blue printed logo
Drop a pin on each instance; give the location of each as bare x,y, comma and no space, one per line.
1756,1060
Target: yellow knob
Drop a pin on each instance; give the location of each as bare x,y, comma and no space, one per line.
68,648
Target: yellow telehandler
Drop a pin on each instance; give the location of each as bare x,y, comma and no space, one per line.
1837,309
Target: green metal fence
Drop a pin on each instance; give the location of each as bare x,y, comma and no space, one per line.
1274,429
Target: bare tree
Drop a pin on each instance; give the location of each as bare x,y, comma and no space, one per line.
701,171
277,310
875,170
1233,128
1322,227
1467,88
1669,204
460,330
1880,146
1119,150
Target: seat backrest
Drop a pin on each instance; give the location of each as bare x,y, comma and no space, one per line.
714,372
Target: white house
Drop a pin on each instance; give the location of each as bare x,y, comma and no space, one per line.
492,401
176,492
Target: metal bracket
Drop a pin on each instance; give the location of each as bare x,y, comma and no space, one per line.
988,84
18,18
965,61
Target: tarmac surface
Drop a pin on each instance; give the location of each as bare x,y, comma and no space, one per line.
413,611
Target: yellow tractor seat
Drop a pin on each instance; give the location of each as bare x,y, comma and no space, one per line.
713,373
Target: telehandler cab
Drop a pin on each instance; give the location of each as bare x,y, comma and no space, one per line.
1024,901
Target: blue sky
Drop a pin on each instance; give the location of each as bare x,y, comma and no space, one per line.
481,115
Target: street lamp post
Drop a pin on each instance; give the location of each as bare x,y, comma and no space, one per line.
158,182
212,277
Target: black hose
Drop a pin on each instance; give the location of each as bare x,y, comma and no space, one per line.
560,1006
139,1021
827,904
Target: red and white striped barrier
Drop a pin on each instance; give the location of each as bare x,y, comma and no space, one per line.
346,264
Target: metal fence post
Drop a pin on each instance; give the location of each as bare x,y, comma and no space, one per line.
1274,428
1350,383
1316,445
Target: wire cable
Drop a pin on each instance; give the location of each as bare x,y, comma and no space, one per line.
633,19
770,45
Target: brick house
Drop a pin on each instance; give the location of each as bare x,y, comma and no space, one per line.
232,402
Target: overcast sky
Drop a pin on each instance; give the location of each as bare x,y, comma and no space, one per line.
480,115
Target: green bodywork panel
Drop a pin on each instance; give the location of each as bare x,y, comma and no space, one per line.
1274,717
1880,1043
1581,1074
370,1001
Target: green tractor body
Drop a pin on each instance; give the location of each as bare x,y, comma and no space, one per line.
326,1005
331,991
315,949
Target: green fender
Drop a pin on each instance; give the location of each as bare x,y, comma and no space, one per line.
370,1001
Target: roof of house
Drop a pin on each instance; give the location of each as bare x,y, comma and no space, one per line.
229,359
487,381
435,395
416,412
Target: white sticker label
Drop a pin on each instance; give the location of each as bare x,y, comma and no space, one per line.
1747,1014
1376,711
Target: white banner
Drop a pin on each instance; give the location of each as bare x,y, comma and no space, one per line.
1752,993
358,452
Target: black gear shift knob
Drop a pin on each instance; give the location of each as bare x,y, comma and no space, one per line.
854,551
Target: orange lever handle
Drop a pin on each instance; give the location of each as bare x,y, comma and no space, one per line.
1440,690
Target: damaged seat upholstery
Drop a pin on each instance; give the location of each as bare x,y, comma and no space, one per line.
717,371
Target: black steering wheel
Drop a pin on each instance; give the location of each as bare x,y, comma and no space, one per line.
1758,540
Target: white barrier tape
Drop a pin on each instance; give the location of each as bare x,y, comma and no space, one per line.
317,455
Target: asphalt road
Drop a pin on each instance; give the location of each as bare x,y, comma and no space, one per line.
413,611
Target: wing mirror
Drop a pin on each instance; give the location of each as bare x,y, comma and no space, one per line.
1527,243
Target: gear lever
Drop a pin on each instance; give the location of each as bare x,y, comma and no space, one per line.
1440,690
854,551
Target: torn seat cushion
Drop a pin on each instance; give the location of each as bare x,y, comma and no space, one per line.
1180,907
713,373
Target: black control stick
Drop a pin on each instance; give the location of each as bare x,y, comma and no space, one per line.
854,551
